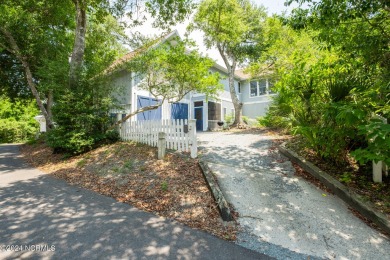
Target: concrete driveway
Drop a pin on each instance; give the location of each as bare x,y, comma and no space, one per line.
282,215
43,218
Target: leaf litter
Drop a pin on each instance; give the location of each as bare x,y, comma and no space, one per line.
131,173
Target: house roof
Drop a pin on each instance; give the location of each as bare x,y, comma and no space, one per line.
243,75
224,70
264,71
117,64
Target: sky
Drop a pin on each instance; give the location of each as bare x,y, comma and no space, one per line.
272,6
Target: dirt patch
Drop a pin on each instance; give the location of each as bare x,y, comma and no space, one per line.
277,133
131,173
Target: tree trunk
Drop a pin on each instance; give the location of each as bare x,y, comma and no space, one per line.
14,48
236,102
49,105
233,94
77,58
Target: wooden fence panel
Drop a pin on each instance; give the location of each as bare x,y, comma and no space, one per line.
176,139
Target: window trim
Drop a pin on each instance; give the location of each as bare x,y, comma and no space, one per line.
250,89
267,91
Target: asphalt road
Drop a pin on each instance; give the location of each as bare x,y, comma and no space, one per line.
45,218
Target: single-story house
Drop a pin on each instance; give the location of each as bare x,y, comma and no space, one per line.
254,94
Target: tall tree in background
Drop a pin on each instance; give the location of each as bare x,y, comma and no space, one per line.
234,27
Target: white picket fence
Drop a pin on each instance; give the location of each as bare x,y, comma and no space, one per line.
180,134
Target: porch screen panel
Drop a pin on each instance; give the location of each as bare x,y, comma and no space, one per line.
214,112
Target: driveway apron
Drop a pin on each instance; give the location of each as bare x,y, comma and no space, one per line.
42,217
281,214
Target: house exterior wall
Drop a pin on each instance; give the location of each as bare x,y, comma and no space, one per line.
123,85
225,94
256,109
228,105
246,97
254,106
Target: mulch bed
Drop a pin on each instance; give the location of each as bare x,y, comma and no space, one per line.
131,173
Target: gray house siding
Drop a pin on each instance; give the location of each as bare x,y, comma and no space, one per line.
254,106
228,107
246,97
123,83
254,110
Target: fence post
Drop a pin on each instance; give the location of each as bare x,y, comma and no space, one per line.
380,167
377,171
161,145
192,135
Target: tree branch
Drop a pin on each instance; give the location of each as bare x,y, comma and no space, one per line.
143,109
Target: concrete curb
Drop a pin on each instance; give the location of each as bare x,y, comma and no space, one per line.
347,195
223,206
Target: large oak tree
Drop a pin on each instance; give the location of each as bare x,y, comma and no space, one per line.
235,28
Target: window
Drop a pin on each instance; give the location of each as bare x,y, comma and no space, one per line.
239,87
224,112
253,88
262,87
198,104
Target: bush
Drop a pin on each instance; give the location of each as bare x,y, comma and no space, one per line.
12,131
17,123
77,141
229,119
82,120
377,135
74,142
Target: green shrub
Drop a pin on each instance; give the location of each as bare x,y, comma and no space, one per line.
73,142
17,123
77,141
377,144
82,119
229,119
12,131
245,119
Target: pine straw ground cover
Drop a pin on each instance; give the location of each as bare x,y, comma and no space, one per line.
130,173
